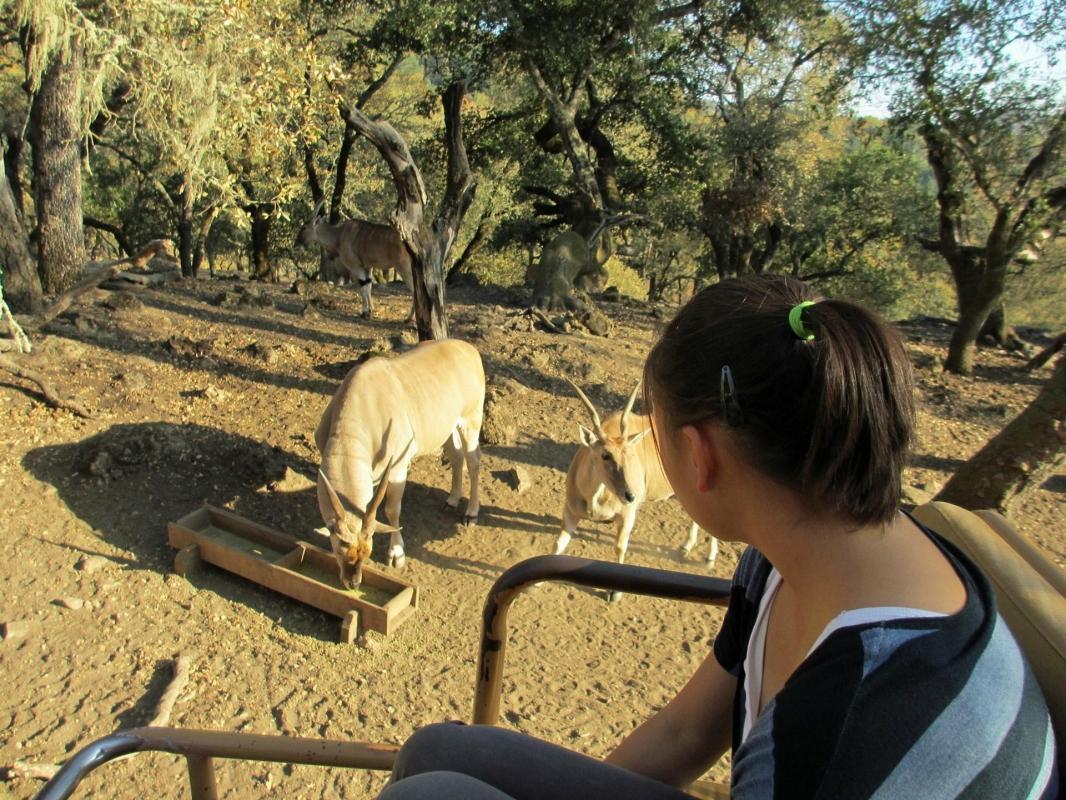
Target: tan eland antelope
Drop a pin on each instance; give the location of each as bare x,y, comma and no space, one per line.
356,247
616,469
386,412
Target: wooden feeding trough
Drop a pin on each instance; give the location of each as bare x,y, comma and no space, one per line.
295,568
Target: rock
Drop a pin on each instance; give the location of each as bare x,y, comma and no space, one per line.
406,339
369,642
595,321
268,354
188,348
59,346
292,481
611,295
310,312
91,564
497,429
16,629
73,603
252,296
98,464
216,394
518,479
915,495
225,299
123,301
81,322
132,380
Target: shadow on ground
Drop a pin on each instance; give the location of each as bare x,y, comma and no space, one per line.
129,481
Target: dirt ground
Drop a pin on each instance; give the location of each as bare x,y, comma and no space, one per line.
209,392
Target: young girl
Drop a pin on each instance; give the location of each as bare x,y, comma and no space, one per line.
861,656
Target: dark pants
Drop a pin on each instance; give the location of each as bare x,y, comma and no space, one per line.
482,762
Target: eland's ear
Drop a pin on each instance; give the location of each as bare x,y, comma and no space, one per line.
334,500
638,437
588,438
383,528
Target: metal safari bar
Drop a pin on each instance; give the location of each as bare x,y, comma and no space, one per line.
200,747
583,572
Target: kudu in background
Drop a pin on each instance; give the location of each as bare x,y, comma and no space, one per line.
356,247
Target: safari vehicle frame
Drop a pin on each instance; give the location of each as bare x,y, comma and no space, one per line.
1030,592
200,748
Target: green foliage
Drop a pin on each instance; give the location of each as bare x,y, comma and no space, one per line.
719,127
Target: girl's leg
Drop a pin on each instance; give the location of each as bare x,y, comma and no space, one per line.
522,766
441,786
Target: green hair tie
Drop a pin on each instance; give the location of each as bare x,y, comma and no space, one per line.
795,321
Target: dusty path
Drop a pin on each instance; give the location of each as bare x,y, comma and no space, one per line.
199,402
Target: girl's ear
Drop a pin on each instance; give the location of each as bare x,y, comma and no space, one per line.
702,453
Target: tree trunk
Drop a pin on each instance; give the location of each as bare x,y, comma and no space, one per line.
262,217
55,135
477,241
1019,458
997,329
428,245
12,160
185,243
979,288
22,286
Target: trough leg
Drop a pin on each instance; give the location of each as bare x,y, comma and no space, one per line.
350,627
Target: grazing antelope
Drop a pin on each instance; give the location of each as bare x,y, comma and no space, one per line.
615,470
386,412
356,247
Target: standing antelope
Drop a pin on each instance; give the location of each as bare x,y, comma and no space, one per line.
615,470
357,247
386,412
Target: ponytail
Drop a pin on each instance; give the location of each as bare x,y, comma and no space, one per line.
822,396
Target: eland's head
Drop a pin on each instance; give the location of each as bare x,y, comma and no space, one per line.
306,235
351,533
619,466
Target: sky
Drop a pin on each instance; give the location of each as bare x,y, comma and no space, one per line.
1024,53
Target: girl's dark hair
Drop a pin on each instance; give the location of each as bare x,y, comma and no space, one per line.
832,417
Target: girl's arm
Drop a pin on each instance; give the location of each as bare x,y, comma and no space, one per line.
690,733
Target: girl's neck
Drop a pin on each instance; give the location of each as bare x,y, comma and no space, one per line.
830,564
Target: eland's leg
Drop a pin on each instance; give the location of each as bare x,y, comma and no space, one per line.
393,501
690,542
568,529
472,450
455,459
624,522
364,290
712,555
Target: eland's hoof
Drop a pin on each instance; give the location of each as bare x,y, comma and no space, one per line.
614,597
399,561
470,519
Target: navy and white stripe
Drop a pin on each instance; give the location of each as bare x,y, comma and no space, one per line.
936,707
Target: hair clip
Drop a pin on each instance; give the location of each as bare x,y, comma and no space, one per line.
728,392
